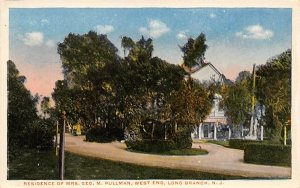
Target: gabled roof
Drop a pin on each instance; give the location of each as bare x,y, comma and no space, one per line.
198,67
195,69
212,66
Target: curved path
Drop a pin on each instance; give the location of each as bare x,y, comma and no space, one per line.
220,160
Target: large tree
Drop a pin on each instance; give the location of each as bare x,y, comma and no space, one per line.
137,93
144,84
237,102
190,104
25,129
21,108
86,60
274,92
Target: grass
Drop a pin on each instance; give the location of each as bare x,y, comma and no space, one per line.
192,151
34,165
269,163
224,143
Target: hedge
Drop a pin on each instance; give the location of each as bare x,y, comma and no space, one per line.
151,146
267,154
102,134
181,140
241,144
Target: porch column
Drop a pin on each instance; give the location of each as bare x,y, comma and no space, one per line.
242,131
215,130
229,133
200,130
255,128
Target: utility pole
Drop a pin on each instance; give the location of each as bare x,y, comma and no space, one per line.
56,139
61,168
253,116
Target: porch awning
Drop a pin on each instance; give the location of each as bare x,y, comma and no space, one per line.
222,120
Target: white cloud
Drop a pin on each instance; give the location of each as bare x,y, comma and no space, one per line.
50,43
36,39
155,29
104,29
33,39
212,15
181,35
256,32
44,22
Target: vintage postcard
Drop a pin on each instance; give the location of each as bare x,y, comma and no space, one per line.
151,94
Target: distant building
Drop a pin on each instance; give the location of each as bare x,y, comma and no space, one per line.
215,125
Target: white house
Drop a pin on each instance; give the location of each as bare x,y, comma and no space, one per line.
216,121
205,72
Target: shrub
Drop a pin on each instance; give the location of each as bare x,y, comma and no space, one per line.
268,154
151,146
98,134
40,135
116,132
241,144
102,134
183,140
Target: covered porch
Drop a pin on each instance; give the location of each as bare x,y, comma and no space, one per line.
213,129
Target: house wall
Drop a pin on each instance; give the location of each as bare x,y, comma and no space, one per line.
207,73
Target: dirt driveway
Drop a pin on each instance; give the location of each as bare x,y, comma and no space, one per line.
219,160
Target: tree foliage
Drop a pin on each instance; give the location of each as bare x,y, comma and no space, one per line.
139,51
81,53
21,107
190,105
138,94
194,51
25,129
145,83
86,91
274,92
238,99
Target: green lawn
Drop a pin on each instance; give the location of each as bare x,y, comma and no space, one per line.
34,165
224,143
191,151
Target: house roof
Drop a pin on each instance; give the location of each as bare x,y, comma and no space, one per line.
198,67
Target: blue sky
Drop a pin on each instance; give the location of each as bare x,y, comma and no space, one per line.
237,38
